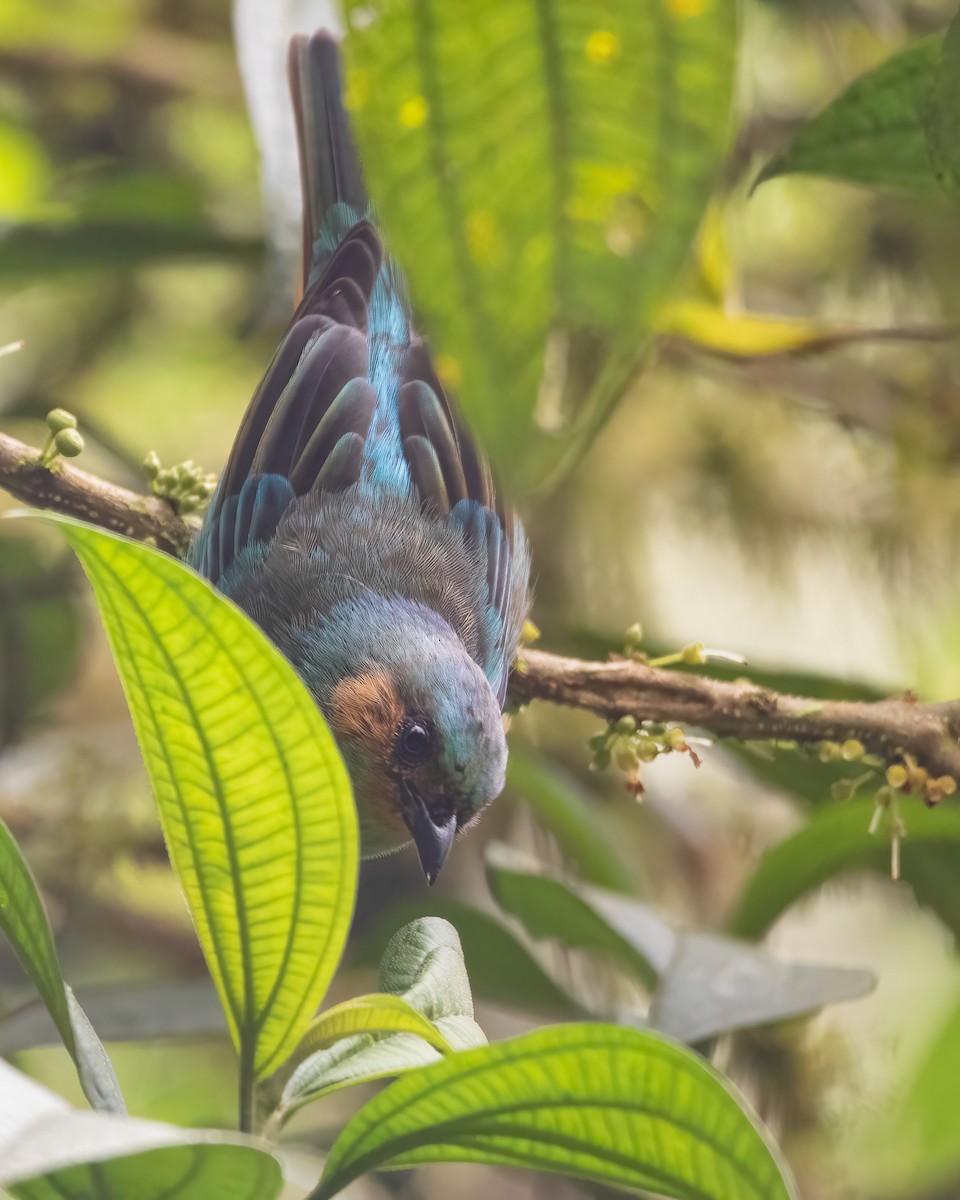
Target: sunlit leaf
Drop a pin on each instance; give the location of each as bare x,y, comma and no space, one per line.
254,799
612,1105
426,1009
539,258
49,1151
837,841
875,132
566,811
24,921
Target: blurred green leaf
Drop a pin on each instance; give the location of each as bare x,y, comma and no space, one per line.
566,1099
550,908
943,112
910,1146
124,1013
39,632
26,173
49,1151
703,984
837,840
875,132
426,1009
502,970
24,921
565,810
254,799
540,256
32,252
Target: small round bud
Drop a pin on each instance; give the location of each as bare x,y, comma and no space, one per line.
841,790
947,785
627,759
151,465
675,739
852,750
897,775
626,725
634,635
693,654
917,779
647,749
68,442
59,418
829,751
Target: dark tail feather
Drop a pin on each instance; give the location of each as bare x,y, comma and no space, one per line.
329,166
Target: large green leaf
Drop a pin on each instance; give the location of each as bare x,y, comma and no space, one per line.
24,921
837,840
539,257
943,111
425,1010
49,1151
613,1105
875,132
254,799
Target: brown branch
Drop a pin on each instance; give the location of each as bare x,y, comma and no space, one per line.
64,489
622,687
743,711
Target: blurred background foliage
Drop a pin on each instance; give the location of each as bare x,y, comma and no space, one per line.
802,510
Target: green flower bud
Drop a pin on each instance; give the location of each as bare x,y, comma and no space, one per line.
896,775
68,442
601,760
59,418
626,725
151,465
675,739
693,654
852,750
627,759
842,789
829,751
647,749
947,785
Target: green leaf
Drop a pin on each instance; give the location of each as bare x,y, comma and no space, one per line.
943,113
538,259
575,916
837,840
39,632
254,799
24,921
49,1151
617,1106
425,1011
563,809
909,1147
502,970
875,132
703,984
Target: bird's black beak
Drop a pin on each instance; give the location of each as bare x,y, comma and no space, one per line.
432,839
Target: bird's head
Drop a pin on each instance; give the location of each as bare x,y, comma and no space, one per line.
422,734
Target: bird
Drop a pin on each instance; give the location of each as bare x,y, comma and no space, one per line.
358,523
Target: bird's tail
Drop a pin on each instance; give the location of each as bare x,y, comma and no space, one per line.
334,197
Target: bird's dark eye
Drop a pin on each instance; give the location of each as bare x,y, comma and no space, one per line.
414,741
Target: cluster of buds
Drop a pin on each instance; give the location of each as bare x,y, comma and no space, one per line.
186,487
63,437
628,745
913,780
